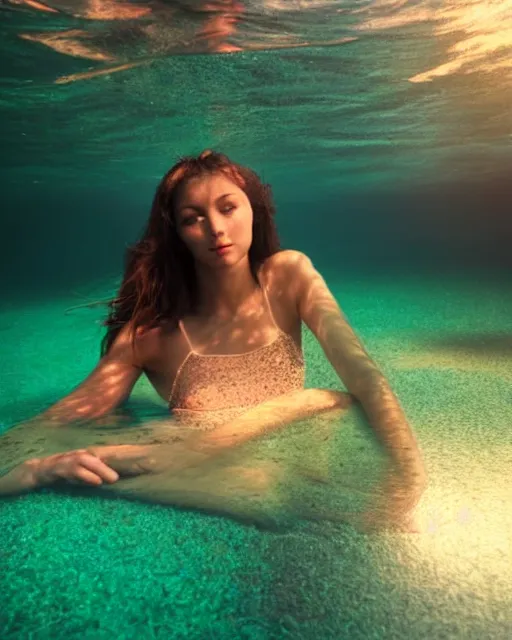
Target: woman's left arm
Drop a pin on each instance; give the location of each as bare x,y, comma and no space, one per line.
319,310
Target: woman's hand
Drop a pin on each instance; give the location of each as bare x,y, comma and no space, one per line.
99,465
106,464
96,465
77,467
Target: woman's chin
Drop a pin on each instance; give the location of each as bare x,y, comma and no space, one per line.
227,259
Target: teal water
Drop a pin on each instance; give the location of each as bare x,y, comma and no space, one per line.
387,143
90,567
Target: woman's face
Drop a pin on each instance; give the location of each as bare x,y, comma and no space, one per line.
214,220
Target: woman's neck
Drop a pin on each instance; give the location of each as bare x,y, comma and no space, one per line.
223,292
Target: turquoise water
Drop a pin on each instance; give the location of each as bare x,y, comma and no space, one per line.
387,143
90,567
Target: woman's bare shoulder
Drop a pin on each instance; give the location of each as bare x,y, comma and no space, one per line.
280,274
152,342
285,262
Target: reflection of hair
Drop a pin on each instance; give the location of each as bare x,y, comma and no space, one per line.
159,281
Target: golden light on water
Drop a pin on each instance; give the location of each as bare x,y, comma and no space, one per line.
480,32
464,542
472,36
485,43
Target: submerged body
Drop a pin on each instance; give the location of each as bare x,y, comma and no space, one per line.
214,322
216,371
214,387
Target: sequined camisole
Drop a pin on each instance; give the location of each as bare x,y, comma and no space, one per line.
210,389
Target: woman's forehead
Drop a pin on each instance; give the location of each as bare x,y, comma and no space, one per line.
213,185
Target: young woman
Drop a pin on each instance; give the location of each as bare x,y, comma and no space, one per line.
210,310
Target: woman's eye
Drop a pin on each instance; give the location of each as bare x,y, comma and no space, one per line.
189,220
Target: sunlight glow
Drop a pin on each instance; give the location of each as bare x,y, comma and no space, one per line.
480,32
465,536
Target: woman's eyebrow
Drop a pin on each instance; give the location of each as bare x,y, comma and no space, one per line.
191,206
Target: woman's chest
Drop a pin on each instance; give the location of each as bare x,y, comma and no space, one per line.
234,353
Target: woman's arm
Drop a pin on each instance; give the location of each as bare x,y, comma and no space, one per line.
109,384
106,387
270,416
18,479
80,466
318,308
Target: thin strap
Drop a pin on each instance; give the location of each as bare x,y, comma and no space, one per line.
267,302
185,335
178,373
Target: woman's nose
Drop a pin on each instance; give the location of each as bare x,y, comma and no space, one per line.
216,224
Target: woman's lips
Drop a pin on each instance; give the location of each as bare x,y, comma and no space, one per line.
221,249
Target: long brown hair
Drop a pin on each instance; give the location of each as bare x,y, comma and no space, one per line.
159,281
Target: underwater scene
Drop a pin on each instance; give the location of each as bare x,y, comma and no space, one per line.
251,427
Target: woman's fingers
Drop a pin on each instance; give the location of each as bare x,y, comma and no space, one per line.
92,467
126,460
82,476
